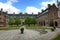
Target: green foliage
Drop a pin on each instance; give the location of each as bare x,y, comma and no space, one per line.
33,21
26,13
20,13
29,20
11,20
17,21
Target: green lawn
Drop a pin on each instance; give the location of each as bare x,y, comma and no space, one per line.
27,27
57,38
38,27
9,28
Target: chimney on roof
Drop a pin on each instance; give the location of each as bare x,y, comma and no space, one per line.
1,9
53,4
32,13
6,12
49,5
39,13
13,12
42,10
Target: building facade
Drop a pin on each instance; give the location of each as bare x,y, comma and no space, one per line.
2,18
48,17
21,16
58,19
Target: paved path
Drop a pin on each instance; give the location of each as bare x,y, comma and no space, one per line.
50,35
28,35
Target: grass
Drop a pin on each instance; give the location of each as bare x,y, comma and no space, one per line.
57,38
38,27
9,28
27,27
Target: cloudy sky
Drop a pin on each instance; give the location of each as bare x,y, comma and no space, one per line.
28,6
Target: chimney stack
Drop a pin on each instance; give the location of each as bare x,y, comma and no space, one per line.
38,12
53,4
32,13
42,10
13,12
6,12
49,5
1,9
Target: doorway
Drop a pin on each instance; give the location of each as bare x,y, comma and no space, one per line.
56,24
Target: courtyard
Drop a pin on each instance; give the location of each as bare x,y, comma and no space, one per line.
30,20
28,34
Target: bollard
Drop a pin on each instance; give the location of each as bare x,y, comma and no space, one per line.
22,30
52,29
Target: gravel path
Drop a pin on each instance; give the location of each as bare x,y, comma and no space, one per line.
28,35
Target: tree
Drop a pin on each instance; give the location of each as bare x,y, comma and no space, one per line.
20,13
33,21
27,20
26,13
11,20
17,21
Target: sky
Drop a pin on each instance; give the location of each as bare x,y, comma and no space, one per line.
23,6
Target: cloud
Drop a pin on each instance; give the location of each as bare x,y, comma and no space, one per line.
11,1
31,9
35,10
8,7
43,5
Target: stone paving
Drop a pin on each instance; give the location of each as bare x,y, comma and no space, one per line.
28,35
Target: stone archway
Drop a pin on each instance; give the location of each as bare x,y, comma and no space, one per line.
56,24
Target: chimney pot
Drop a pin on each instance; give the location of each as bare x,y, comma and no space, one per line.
1,9
42,10
13,12
49,5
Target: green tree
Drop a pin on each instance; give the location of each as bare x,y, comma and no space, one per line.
11,20
20,13
17,21
27,20
26,13
33,21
